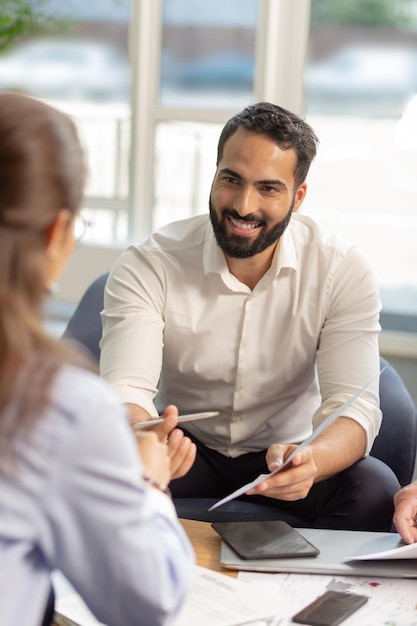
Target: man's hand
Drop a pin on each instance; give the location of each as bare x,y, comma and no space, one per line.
295,481
182,451
405,516
336,448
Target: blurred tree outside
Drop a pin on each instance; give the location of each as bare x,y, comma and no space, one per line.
370,13
19,18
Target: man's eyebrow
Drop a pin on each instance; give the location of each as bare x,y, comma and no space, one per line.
273,182
227,170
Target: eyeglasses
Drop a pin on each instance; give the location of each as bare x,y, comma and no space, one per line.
81,225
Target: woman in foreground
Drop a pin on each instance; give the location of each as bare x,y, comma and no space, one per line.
72,494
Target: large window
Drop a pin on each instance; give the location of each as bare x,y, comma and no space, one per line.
350,67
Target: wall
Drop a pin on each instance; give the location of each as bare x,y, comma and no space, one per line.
87,262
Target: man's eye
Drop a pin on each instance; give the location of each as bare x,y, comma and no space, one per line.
231,180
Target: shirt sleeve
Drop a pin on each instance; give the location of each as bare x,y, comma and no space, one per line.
117,541
132,343
348,346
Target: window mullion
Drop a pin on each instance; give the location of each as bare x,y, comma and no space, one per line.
282,41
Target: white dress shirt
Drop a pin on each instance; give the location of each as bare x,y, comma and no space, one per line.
75,501
179,328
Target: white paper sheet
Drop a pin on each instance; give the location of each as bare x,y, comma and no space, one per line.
219,600
402,552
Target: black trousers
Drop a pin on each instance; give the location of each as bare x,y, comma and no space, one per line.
358,498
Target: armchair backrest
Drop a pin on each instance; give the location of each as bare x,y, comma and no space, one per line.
396,443
85,324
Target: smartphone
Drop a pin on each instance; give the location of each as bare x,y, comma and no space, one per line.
267,539
330,609
191,417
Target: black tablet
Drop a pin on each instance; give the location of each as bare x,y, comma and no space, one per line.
272,539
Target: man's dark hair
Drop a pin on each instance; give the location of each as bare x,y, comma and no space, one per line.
286,129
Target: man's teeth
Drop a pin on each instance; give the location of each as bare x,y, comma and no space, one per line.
244,225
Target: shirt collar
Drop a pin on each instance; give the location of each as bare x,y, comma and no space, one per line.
285,254
214,261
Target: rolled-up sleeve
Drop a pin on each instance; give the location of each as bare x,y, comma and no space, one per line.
132,343
348,356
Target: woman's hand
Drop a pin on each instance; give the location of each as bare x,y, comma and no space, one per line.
155,457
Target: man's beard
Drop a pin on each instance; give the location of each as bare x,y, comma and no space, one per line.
242,247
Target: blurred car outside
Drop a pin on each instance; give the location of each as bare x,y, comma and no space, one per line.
369,80
224,71
66,69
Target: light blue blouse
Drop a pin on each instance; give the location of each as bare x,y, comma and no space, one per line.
76,502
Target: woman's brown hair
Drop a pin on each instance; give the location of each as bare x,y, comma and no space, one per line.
41,172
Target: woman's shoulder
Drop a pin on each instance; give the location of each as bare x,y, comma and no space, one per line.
84,418
78,392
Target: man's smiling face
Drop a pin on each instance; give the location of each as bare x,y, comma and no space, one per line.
252,196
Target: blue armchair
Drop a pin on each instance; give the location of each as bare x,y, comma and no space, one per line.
395,445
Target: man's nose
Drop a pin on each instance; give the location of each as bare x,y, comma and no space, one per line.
245,202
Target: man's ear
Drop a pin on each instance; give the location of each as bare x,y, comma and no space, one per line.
57,233
300,194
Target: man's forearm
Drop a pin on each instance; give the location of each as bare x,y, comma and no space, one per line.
137,413
338,447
